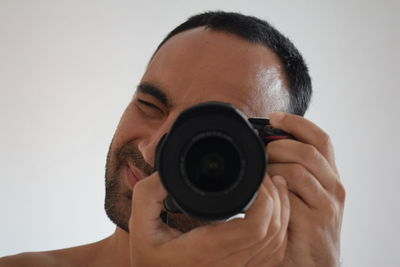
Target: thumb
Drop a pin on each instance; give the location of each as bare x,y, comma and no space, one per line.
147,204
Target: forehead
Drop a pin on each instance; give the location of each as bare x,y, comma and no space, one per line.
201,65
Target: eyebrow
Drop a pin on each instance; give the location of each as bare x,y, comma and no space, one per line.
154,91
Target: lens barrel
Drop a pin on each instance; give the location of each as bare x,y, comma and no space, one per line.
212,162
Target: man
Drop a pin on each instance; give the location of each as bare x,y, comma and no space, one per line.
296,217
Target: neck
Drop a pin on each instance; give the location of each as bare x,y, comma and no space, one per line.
112,251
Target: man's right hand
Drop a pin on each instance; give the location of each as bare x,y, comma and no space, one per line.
257,240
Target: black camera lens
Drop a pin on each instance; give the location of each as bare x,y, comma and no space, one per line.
211,164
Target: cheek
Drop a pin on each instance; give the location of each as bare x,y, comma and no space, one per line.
131,126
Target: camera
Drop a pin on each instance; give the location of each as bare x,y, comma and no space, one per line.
213,160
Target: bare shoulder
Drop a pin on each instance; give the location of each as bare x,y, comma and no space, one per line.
83,255
67,257
31,259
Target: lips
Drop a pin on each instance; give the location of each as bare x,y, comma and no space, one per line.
132,176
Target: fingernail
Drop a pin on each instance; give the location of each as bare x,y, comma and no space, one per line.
279,180
276,116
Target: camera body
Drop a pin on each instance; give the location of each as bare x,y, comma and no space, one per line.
213,160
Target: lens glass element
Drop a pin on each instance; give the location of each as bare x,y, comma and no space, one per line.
212,164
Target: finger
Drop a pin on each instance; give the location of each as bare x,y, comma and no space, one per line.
278,255
299,212
268,252
276,188
239,233
147,203
292,151
302,182
306,132
261,252
260,212
282,185
271,224
275,192
271,255
242,258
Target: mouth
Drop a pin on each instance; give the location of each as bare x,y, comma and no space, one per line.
132,176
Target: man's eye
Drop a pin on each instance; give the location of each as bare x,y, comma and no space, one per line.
150,105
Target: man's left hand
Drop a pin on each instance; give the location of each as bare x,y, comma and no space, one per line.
316,194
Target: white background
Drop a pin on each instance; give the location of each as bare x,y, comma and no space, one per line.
69,68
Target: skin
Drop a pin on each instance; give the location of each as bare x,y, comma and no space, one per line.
294,221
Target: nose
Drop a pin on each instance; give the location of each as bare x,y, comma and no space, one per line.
148,145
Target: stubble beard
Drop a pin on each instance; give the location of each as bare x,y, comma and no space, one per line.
118,197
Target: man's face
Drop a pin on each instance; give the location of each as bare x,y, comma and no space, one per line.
194,66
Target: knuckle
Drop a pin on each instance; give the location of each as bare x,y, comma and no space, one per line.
325,140
270,202
268,198
331,208
332,213
273,195
340,192
297,174
310,153
320,231
297,171
256,234
274,227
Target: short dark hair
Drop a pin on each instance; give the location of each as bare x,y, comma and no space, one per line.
259,31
